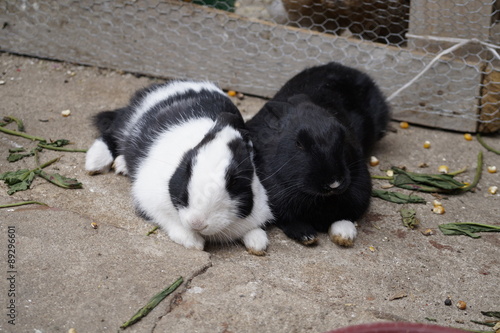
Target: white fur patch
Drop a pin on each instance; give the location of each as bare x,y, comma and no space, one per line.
209,200
344,229
98,158
120,165
256,240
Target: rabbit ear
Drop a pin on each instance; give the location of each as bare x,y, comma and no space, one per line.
276,108
299,99
231,119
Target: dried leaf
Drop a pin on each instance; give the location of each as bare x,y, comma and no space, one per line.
467,229
397,197
409,218
398,296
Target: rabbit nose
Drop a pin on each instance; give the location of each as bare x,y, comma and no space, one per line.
335,184
198,225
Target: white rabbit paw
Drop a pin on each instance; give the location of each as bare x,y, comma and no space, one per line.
188,239
343,233
120,166
256,242
98,158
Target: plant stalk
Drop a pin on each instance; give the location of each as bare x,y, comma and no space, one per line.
23,203
23,135
477,177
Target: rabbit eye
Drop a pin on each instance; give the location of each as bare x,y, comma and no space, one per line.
299,145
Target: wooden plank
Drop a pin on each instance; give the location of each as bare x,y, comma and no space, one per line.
178,40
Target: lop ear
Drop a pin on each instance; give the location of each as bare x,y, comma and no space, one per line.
231,119
277,108
299,99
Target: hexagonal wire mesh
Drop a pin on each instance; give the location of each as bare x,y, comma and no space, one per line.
436,60
428,27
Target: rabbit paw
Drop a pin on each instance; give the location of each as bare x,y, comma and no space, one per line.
343,233
302,233
256,242
120,166
98,158
187,238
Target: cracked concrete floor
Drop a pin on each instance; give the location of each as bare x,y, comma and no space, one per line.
70,275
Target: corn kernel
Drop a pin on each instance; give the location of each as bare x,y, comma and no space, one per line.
65,113
461,305
492,169
374,161
231,93
438,210
389,173
372,248
493,189
94,225
428,232
404,125
468,137
436,203
443,169
427,144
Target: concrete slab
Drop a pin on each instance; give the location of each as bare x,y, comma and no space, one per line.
391,274
67,274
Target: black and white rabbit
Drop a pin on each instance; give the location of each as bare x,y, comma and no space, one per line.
311,141
188,154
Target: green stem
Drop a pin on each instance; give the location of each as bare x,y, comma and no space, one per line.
19,122
23,203
382,177
41,145
153,302
477,177
46,164
152,231
481,141
23,135
454,173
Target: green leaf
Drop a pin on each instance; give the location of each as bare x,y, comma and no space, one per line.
493,314
153,302
397,197
227,5
467,229
57,143
13,177
483,323
61,181
425,182
409,218
19,180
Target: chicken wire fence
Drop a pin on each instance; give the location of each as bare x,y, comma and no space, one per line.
437,61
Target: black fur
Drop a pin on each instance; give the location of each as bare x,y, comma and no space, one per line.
317,130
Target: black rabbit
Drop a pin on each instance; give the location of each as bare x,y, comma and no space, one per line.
311,142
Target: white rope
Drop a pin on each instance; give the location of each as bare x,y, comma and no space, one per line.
459,42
